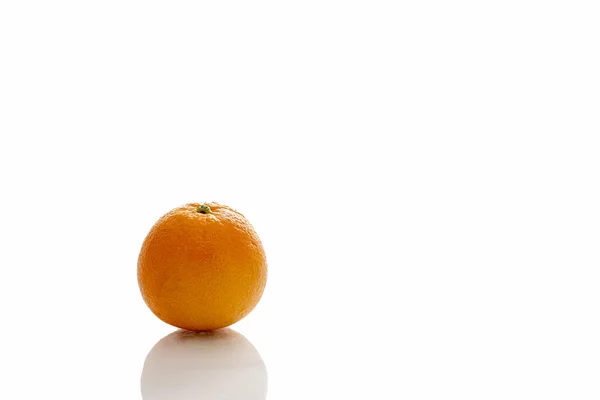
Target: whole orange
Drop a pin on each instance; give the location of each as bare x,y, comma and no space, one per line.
202,267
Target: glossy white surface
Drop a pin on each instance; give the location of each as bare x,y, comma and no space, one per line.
221,364
424,177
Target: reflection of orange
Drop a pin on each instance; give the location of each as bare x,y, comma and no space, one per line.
220,364
202,267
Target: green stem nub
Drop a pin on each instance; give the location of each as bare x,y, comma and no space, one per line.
204,209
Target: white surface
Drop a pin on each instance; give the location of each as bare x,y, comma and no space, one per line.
424,177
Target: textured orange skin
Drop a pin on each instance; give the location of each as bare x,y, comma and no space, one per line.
202,271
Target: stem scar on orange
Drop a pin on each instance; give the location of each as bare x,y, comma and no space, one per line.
202,267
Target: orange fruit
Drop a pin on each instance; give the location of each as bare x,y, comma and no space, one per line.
202,267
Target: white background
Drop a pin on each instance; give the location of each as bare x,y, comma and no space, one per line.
424,176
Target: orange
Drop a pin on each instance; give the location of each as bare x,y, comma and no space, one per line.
202,267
